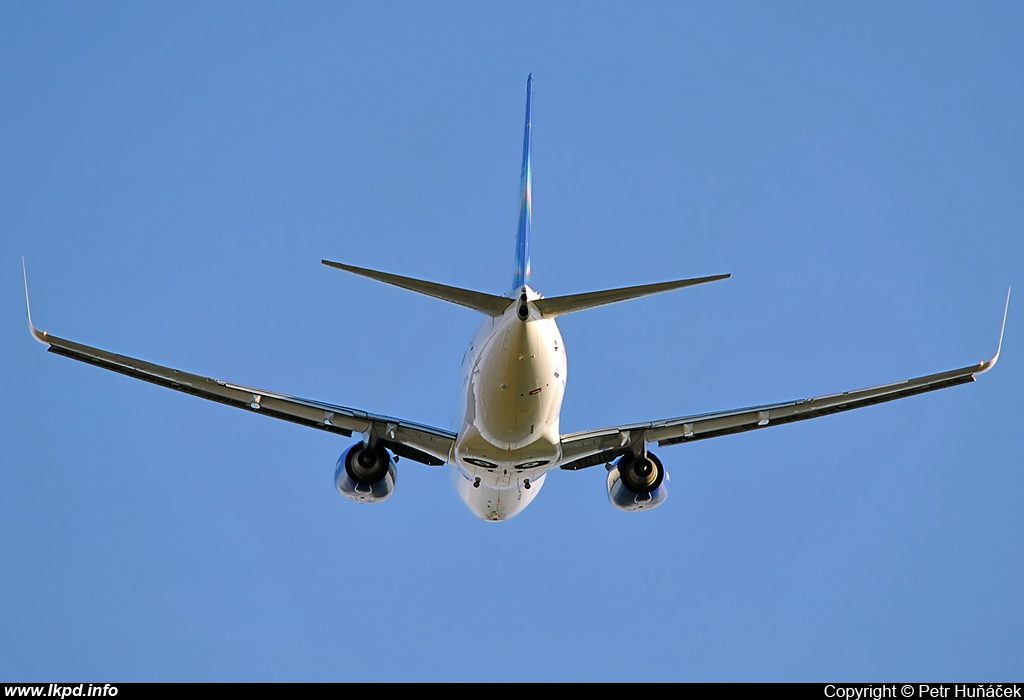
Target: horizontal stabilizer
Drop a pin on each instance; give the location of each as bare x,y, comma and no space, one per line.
489,304
557,306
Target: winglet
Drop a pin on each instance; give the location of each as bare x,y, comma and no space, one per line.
40,336
986,366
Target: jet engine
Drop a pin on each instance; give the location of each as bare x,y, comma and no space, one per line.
365,474
637,482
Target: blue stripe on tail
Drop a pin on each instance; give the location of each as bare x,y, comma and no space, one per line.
525,201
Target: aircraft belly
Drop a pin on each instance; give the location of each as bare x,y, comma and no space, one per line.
516,389
478,457
514,381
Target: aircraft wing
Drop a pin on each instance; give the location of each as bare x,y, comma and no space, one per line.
420,443
585,449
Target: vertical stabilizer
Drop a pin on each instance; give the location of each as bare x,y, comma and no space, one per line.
525,201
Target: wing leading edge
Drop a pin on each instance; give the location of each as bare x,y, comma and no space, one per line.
587,448
420,443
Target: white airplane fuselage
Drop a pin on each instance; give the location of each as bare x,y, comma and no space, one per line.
513,381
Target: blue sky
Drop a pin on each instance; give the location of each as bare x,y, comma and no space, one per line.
173,174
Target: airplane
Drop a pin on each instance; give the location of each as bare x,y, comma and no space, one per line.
513,381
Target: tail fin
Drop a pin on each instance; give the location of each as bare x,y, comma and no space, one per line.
525,201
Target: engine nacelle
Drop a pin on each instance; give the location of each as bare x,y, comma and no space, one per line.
637,482
365,475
